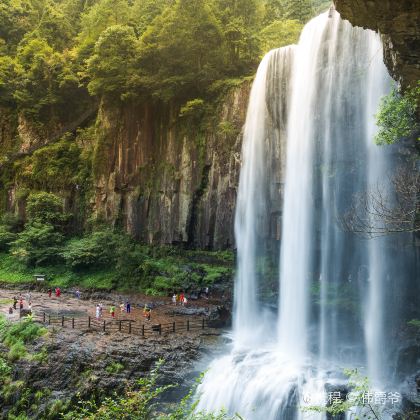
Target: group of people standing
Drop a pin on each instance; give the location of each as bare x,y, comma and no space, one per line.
123,308
21,301
57,292
179,299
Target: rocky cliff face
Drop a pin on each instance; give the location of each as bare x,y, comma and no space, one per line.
399,23
166,180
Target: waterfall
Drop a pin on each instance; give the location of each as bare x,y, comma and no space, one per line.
313,103
252,209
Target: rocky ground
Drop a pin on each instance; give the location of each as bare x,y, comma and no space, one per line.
80,362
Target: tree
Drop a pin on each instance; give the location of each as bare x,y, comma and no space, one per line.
144,11
279,34
112,61
301,10
99,17
45,208
383,211
181,51
97,249
241,20
7,80
398,115
37,86
38,244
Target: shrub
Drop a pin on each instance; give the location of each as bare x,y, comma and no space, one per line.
6,238
96,249
114,367
396,117
45,208
38,244
17,351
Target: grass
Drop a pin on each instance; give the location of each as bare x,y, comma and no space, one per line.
6,301
114,367
162,270
14,272
15,336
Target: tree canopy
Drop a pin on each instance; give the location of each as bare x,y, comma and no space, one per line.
53,51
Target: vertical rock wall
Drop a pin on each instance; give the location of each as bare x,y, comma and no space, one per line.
169,181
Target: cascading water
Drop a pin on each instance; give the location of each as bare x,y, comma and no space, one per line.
319,97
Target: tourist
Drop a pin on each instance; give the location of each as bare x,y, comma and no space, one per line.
49,292
177,299
77,294
122,308
128,307
15,301
112,311
98,311
11,311
206,292
30,307
146,312
101,307
181,298
21,302
57,292
174,299
184,301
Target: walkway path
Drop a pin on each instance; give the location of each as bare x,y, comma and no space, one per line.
163,313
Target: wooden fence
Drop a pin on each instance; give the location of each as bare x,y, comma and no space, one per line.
126,326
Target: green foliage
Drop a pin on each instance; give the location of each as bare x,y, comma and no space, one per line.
5,369
38,244
180,52
17,351
114,367
415,323
111,63
56,166
25,331
396,117
99,17
96,249
7,75
16,335
41,357
279,34
141,403
6,238
136,404
301,10
45,208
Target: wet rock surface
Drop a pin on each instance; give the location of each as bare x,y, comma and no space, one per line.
399,23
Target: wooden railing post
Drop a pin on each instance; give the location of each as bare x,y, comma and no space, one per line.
62,321
129,327
89,322
104,327
173,327
160,329
72,323
49,319
202,324
119,326
188,324
44,318
142,330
